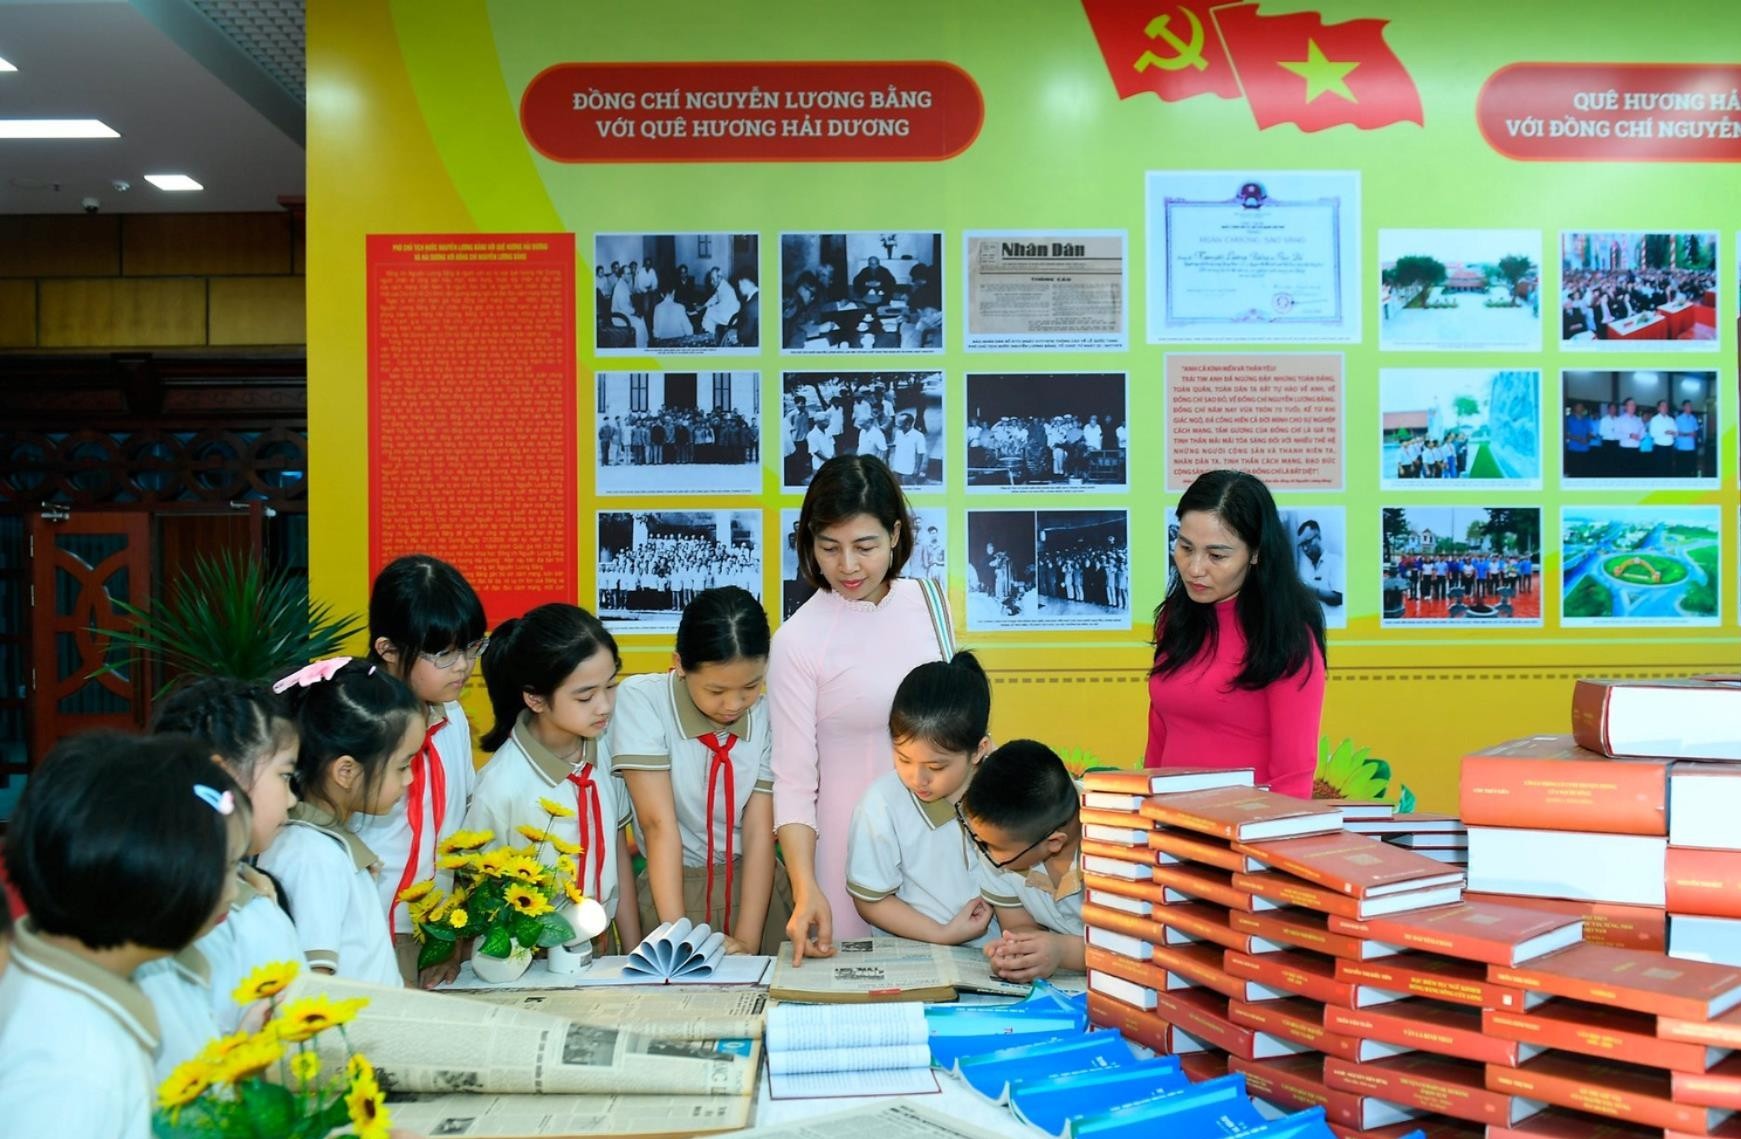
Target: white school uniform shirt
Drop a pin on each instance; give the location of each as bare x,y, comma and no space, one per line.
657,727
329,877
257,932
180,991
1054,907
899,845
77,1042
389,835
521,772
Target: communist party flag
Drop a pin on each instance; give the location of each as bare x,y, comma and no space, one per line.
1295,68
1172,50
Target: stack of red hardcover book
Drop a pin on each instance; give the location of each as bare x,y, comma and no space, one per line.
1442,838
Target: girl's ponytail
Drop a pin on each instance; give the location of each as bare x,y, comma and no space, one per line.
945,703
507,698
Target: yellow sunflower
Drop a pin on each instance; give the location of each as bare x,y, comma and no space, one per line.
528,902
495,862
305,1066
359,1068
300,1020
213,1054
258,1053
573,890
563,846
455,861
184,1084
458,918
417,891
464,840
566,865
368,1109
533,834
525,869
266,981
556,809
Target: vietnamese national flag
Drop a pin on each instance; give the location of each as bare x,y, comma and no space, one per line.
1297,69
1170,49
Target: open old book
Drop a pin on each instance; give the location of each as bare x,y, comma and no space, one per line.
887,969
666,1013
570,1116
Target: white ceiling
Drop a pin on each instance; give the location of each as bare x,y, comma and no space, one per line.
114,61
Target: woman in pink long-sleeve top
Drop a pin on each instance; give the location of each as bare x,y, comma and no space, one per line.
832,676
1239,667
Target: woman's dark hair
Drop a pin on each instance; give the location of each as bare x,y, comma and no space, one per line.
420,604
845,487
112,843
1023,789
360,711
1280,617
243,722
534,654
945,703
722,624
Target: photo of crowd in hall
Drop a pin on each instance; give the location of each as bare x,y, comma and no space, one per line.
1460,564
1624,429
1453,428
930,556
1459,289
651,563
682,293
678,433
1640,565
895,416
1047,431
1638,291
861,292
1048,569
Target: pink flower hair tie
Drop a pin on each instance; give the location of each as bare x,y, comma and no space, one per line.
223,802
314,673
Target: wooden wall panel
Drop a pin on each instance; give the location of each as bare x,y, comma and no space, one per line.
17,314
167,245
60,245
257,310
121,313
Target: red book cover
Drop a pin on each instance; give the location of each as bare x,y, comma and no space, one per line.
1425,1127
1306,929
1352,864
1720,1087
1118,851
1596,1030
1117,921
1242,814
1203,1065
1560,1123
1136,972
1167,780
1297,1020
1719,1032
1200,921
1100,817
1205,883
1143,1027
1605,923
1603,1087
1450,1030
1705,882
1302,974
1202,1015
1297,1083
1286,890
1647,982
1473,931
1184,846
1441,978
1642,717
1201,964
1431,1083
1550,783
1146,890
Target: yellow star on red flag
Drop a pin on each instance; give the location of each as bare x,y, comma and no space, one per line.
1323,76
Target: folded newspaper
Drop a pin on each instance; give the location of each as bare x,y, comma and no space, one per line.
668,1013
887,969
436,1042
569,1116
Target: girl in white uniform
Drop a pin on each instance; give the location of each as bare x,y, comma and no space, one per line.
123,849
249,729
426,627
693,747
552,676
359,729
910,868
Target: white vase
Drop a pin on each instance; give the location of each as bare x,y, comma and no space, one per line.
567,959
502,970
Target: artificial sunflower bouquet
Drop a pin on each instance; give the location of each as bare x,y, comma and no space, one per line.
271,1083
506,898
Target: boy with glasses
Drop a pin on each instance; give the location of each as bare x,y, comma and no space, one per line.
1021,812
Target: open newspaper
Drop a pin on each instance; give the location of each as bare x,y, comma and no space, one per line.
669,1013
435,1042
887,969
531,1116
898,1119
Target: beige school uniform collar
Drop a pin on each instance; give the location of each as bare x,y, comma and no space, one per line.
1070,884
935,813
192,964
693,722
544,761
324,821
117,996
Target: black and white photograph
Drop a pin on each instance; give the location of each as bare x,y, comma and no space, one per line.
861,292
1048,569
1633,429
896,416
1459,289
589,1046
930,557
1048,431
1640,292
677,293
1320,537
651,563
679,433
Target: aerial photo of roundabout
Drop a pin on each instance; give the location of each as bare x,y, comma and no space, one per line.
1655,565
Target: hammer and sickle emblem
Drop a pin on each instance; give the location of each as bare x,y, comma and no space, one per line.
1187,52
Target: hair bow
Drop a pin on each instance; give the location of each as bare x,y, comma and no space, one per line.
223,802
314,673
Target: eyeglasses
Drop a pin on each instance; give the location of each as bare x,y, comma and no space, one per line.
447,658
985,850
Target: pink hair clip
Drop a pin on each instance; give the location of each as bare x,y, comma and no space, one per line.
223,802
314,673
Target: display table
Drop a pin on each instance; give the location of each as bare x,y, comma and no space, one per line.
1642,326
1679,316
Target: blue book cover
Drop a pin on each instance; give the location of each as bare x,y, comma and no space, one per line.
1308,1124
1213,1109
956,1031
1050,1104
992,1074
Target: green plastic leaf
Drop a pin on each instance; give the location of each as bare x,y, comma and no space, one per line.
440,931
271,1108
1378,769
434,952
1405,804
526,930
555,931
496,943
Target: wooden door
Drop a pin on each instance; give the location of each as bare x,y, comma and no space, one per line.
81,564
